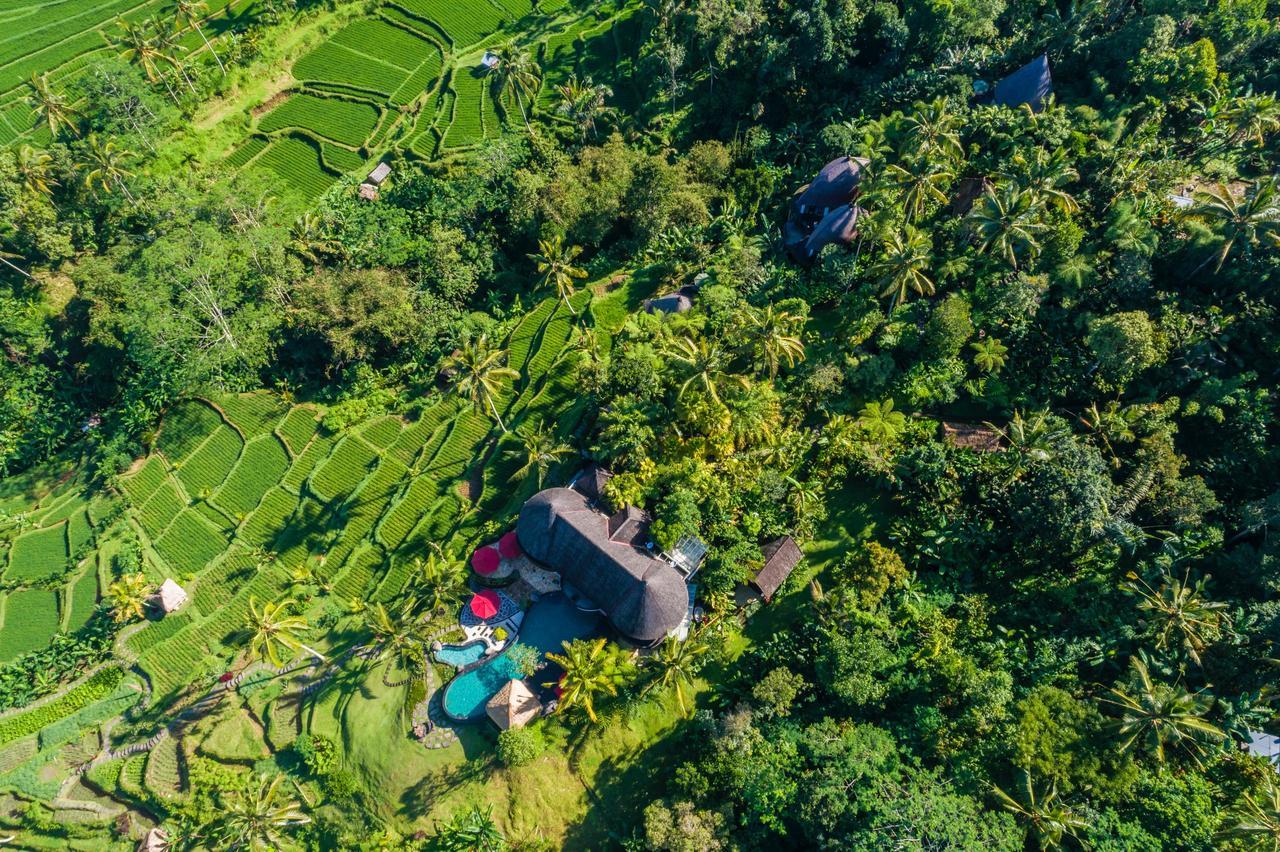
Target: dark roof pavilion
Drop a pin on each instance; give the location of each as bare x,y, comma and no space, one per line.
644,597
1030,84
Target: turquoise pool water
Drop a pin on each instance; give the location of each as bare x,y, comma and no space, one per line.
548,624
460,655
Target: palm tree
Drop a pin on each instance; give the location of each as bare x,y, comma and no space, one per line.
36,168
1252,117
675,665
169,48
582,102
881,422
591,669
1242,223
989,354
128,597
469,831
773,338
1044,177
51,108
479,374
399,640
903,266
1007,220
256,818
274,632
1255,822
104,166
539,449
1047,820
1180,613
1034,438
706,364
931,130
139,48
187,15
555,264
1160,714
518,75
925,181
309,239
439,583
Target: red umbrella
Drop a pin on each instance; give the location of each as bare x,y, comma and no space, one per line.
485,561
509,546
485,604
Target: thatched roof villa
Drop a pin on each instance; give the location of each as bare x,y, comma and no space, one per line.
605,558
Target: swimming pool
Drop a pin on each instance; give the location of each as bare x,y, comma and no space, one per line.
461,655
550,623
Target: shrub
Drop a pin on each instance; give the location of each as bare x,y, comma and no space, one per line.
519,746
318,752
95,688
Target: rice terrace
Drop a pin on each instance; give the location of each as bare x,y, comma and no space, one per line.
641,425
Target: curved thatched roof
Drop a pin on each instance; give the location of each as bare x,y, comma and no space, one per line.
1030,84
838,226
644,597
833,187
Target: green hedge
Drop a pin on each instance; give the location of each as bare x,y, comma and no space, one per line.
99,686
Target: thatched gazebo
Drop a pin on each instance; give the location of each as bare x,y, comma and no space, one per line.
170,597
514,706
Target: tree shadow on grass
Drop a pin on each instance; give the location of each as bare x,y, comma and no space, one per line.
419,800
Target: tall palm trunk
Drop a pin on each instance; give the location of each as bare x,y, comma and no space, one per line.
209,47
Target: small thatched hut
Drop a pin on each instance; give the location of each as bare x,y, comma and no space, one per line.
380,173
170,597
781,556
972,436
155,840
514,706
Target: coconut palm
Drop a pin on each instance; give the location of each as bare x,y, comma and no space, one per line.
188,14
922,181
51,108
518,75
555,265
706,364
139,48
478,376
1044,176
439,583
1179,613
674,666
989,354
1255,822
36,170
398,640
170,49
591,669
1007,221
104,166
931,131
903,266
1252,117
128,597
539,449
1242,223
881,422
774,339
1159,715
582,102
1048,821
258,817
309,239
1036,437
274,632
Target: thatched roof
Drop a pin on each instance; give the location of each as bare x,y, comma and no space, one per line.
590,482
379,173
781,556
839,226
514,706
368,192
1030,84
170,596
644,597
835,186
971,436
155,840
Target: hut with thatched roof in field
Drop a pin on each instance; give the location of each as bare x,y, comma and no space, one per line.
972,436
170,597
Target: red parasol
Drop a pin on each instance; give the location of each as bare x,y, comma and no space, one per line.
485,604
509,546
485,561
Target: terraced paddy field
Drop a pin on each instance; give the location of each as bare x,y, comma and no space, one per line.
408,75
62,38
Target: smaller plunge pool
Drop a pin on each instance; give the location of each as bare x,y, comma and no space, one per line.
461,655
